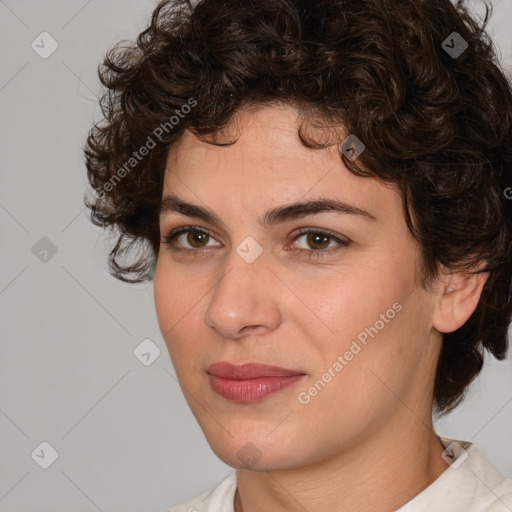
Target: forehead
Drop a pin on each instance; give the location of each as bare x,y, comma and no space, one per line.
268,164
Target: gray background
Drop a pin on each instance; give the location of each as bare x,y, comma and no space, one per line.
123,433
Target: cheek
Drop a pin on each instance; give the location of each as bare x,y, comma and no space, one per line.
164,295
342,306
173,300
177,305
372,314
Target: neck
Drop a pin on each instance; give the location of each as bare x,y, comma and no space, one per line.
378,474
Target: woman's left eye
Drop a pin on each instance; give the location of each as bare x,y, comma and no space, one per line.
320,237
313,237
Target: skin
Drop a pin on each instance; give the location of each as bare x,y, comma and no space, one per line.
372,422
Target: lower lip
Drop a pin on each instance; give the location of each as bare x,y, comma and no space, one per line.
251,390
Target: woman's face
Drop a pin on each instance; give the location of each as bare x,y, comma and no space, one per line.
351,319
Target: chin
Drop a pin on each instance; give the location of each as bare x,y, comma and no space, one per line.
252,453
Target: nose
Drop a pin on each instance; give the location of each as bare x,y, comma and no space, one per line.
246,298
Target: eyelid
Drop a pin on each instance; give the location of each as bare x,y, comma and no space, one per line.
327,232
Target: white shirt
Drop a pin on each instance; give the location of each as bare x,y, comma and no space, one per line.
470,484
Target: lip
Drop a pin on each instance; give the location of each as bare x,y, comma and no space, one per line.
249,371
250,382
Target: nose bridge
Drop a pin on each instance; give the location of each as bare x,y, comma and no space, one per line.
246,264
241,297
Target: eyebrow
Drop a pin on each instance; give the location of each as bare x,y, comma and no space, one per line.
173,204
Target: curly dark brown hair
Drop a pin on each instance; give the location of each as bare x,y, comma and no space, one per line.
436,123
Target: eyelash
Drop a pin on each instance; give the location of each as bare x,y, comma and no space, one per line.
313,253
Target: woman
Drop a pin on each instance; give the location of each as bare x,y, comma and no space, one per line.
322,190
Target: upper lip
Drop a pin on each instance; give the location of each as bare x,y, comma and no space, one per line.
249,371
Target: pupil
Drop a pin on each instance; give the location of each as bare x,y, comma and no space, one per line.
318,236
196,235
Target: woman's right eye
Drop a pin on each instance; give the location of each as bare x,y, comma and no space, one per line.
193,236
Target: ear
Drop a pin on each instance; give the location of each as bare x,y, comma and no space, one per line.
458,298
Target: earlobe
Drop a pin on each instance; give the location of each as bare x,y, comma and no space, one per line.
458,299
